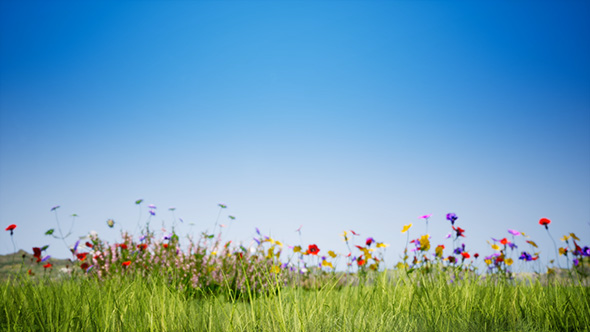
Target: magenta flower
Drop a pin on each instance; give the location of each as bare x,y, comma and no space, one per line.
426,216
514,232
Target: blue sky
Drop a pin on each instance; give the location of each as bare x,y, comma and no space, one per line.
355,115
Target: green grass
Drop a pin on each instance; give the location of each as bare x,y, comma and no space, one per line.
386,304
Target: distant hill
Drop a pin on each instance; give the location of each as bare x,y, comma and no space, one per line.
21,262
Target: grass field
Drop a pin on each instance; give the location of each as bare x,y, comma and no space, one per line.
387,303
151,282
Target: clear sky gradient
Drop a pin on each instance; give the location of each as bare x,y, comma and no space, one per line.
333,115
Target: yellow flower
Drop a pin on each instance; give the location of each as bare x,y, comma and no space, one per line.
488,261
214,253
406,227
271,252
424,243
495,247
562,251
565,238
275,269
532,244
439,250
332,254
297,249
382,245
550,271
373,267
401,265
278,243
509,261
574,236
326,263
345,236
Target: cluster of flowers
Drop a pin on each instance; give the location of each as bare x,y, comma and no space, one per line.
210,264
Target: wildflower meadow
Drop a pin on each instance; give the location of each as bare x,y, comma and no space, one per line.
160,280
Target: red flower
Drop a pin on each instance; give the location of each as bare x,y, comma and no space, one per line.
544,222
84,266
459,231
165,245
31,272
360,261
11,227
89,245
126,263
476,255
465,255
142,246
82,256
37,253
313,249
47,265
123,246
504,241
369,241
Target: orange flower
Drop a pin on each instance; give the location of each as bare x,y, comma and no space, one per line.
465,255
125,264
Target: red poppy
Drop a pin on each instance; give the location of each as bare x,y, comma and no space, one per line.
476,255
31,272
142,246
544,222
354,233
452,259
459,231
82,256
11,227
361,261
126,263
165,245
123,246
369,241
84,266
313,249
504,241
465,255
47,265
89,245
499,259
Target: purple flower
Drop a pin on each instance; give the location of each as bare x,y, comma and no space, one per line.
512,245
256,240
45,258
586,251
142,238
576,261
152,206
514,232
452,218
257,231
152,212
76,245
55,208
168,236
